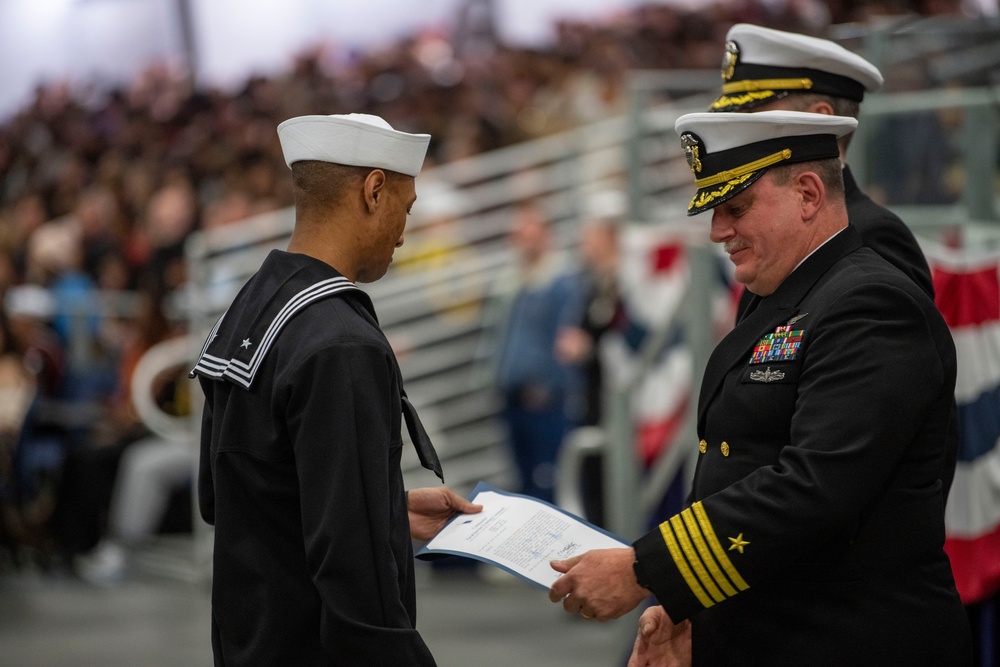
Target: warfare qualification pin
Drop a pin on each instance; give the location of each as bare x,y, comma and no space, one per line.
729,60
766,376
689,143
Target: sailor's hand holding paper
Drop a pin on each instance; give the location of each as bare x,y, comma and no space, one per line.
599,584
430,508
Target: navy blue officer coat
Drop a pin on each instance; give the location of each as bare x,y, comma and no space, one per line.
815,530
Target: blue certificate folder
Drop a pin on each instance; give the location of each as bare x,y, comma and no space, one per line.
431,554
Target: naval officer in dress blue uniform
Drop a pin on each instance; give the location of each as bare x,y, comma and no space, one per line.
767,70
814,531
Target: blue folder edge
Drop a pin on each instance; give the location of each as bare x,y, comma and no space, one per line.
428,555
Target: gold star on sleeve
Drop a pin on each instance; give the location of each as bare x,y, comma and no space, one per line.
738,543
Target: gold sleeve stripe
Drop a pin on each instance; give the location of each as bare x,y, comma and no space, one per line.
750,85
706,555
713,543
694,560
682,566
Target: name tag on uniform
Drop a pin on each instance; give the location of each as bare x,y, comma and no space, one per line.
782,345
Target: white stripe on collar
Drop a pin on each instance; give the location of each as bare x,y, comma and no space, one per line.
243,372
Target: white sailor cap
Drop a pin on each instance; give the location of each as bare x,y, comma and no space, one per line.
728,152
356,139
761,65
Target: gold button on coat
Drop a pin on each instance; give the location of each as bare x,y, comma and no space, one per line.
725,449
702,446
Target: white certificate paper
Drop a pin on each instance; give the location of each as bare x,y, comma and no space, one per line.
519,534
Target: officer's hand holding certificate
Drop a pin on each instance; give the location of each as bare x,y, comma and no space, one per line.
518,533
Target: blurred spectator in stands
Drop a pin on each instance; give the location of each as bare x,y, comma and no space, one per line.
54,262
114,274
154,476
169,217
29,308
258,177
920,171
27,213
231,206
17,384
55,258
581,344
538,296
8,270
41,440
98,220
133,337
595,86
89,471
23,512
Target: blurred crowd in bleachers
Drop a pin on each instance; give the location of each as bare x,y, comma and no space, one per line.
100,188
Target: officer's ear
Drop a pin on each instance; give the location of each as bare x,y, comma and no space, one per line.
811,191
374,188
822,107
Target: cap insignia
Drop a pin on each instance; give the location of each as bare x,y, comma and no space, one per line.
729,60
692,148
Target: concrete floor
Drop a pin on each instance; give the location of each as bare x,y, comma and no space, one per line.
56,620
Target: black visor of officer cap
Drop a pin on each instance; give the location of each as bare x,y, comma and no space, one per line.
728,152
761,65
